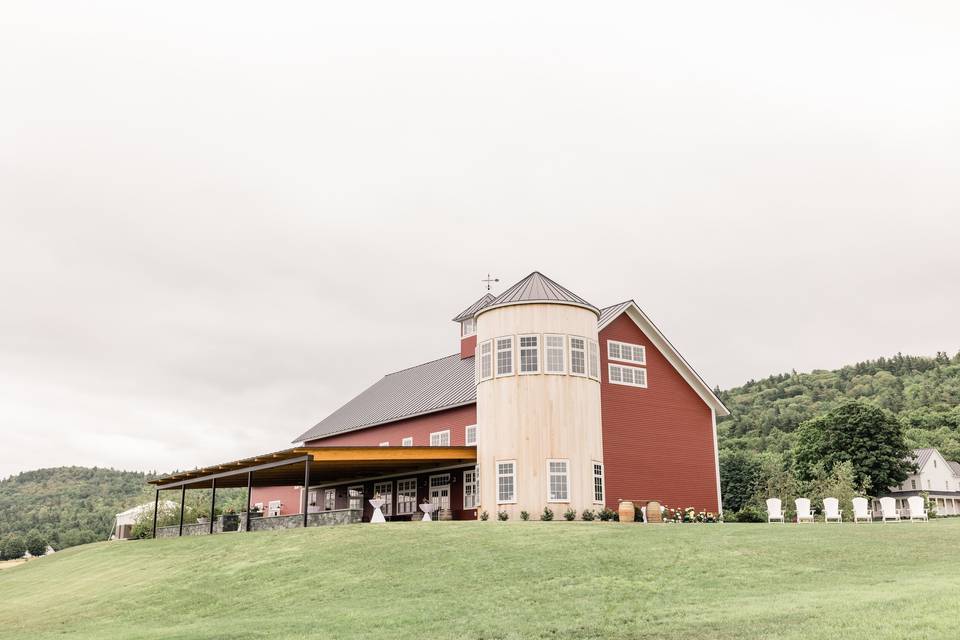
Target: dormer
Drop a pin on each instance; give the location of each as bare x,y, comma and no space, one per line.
468,326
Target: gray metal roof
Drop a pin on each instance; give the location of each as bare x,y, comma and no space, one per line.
922,456
537,287
433,386
609,313
476,306
955,466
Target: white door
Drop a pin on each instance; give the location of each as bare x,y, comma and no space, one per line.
440,491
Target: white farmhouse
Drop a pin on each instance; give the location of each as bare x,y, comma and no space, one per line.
937,476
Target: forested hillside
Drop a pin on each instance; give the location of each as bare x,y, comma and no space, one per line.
69,505
923,392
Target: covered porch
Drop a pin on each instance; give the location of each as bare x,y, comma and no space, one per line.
305,467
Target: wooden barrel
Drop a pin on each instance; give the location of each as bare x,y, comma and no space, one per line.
627,511
653,512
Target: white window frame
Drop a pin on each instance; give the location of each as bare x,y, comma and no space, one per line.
480,356
570,350
466,435
388,504
563,354
407,442
439,435
469,327
476,488
566,475
611,367
406,481
603,484
513,475
593,360
520,370
496,356
631,346
385,444
330,494
350,498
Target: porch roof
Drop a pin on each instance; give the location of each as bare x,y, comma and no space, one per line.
327,464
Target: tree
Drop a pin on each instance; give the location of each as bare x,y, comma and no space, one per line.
14,548
870,438
740,478
36,544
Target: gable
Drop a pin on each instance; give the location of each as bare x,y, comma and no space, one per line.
614,318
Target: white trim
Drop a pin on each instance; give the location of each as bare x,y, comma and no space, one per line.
384,444
326,492
388,511
439,434
593,358
563,354
586,365
349,497
621,345
496,356
673,356
466,437
414,481
611,366
463,328
716,460
566,475
407,442
603,482
496,485
520,370
519,302
479,357
476,488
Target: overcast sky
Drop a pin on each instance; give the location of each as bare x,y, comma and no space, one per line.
220,222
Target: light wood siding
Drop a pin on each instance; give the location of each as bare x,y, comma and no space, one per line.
533,418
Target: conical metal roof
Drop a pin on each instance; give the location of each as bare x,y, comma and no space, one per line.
537,287
476,306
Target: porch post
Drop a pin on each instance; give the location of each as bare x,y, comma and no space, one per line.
183,497
213,501
306,489
249,492
156,505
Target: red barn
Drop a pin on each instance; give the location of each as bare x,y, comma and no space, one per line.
549,402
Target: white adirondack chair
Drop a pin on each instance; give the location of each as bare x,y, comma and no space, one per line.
861,510
917,512
832,510
888,506
774,510
803,510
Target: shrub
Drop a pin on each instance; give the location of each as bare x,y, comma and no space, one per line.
502,516
607,514
36,544
14,548
547,514
588,515
484,516
524,515
750,514
570,515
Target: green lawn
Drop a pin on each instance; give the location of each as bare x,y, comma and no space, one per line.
501,580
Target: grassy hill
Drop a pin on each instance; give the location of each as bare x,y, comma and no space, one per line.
923,392
69,505
499,580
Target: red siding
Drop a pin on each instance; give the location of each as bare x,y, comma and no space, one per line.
420,428
657,442
467,346
288,496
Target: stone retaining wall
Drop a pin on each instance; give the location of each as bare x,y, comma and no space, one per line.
321,519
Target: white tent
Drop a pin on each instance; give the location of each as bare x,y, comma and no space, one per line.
124,521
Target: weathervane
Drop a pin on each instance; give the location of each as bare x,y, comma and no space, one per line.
490,281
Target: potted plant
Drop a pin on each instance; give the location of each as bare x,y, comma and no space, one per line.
255,512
